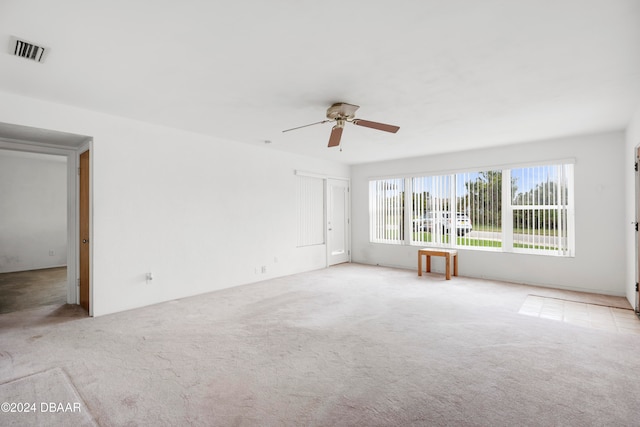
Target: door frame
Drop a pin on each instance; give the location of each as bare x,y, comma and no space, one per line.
83,149
72,154
637,234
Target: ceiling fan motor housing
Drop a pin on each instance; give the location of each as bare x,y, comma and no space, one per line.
342,110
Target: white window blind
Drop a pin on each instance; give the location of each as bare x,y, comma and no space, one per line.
310,210
431,209
386,211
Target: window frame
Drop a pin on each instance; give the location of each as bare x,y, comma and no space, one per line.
510,207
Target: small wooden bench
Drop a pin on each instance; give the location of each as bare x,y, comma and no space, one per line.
446,253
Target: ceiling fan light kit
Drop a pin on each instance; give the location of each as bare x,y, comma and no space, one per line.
341,113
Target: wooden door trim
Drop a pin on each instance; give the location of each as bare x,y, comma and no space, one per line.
84,240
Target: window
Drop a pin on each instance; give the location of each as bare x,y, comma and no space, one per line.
540,208
479,200
526,210
431,197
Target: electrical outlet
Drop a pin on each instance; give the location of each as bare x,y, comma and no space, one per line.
52,252
149,277
264,269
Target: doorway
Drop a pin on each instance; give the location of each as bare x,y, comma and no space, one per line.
338,244
30,140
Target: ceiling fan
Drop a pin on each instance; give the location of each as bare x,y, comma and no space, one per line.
342,113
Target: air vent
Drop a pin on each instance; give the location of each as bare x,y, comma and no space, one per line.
28,50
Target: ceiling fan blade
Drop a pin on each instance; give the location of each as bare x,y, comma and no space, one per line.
304,126
336,134
376,125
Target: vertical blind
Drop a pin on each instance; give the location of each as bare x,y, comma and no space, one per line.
479,201
310,210
431,209
386,211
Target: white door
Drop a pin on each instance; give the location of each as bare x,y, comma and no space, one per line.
337,221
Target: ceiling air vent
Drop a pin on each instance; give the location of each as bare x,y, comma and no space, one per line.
28,50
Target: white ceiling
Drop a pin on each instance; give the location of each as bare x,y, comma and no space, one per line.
454,74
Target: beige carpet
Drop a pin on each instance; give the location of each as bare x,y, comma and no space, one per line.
47,398
349,345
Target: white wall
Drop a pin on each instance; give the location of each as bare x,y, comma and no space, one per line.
200,213
33,211
599,263
632,141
